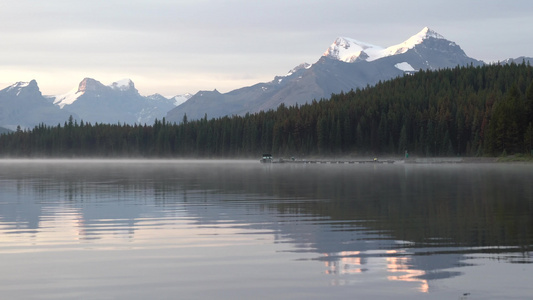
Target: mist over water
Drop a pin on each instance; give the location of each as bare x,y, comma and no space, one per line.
137,229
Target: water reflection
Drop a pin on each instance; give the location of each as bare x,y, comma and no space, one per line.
414,224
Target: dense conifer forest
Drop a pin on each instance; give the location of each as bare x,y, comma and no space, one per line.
465,111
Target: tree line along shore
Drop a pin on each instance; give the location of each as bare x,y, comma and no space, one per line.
464,111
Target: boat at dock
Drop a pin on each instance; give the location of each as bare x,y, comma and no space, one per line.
267,158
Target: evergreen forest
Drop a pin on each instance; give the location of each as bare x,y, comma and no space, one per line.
464,111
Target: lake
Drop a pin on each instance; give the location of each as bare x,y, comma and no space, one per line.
176,229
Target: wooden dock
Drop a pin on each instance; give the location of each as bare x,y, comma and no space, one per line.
305,161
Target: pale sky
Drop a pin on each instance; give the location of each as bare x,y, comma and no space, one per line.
174,47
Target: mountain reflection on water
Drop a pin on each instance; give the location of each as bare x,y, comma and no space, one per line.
416,223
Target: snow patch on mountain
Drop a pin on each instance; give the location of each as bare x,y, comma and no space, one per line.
410,43
122,85
175,100
180,99
68,98
405,66
349,50
298,68
17,87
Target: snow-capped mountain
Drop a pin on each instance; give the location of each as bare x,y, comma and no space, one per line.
22,87
120,101
22,104
347,64
349,50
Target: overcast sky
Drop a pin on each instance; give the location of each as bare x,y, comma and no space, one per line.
176,46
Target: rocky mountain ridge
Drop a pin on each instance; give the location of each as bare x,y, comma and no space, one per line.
345,65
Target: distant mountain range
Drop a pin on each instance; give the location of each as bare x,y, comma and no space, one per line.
347,64
22,104
119,102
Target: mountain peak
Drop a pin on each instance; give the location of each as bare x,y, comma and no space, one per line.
123,85
89,84
410,43
23,84
349,50
424,34
428,33
23,87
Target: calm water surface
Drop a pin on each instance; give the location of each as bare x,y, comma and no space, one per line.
242,230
